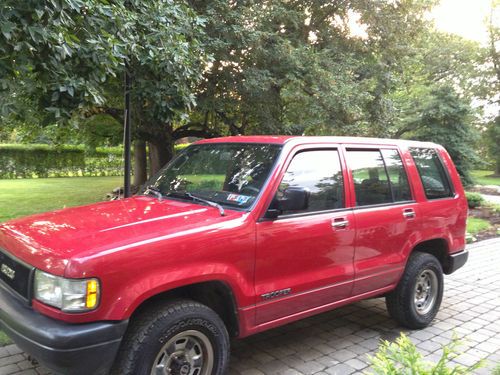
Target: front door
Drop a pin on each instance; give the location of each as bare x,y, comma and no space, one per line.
305,259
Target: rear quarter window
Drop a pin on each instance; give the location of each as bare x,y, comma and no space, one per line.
432,173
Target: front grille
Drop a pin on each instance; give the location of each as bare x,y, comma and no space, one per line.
15,274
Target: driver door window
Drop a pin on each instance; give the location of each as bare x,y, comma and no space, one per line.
320,173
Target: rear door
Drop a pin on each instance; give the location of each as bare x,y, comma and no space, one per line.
385,213
305,259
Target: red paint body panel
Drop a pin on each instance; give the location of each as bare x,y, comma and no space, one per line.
146,241
382,245
306,255
140,247
318,259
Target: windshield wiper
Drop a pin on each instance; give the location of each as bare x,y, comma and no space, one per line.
185,194
153,190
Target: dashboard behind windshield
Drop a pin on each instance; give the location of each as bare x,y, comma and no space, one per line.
231,174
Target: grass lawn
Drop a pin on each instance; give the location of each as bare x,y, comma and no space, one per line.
29,196
483,178
476,225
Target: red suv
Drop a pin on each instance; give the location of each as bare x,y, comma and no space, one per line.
235,236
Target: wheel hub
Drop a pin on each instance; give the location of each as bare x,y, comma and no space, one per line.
179,366
426,289
187,353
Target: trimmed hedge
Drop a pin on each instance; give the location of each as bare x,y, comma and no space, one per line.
36,160
39,160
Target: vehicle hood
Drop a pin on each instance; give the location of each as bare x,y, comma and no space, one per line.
49,241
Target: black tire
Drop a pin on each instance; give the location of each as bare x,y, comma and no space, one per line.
410,304
154,329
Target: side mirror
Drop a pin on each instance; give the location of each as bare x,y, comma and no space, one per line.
294,199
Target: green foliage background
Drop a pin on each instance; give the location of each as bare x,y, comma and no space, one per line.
41,160
211,67
28,161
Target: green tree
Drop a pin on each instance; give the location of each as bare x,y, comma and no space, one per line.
290,67
492,85
68,57
295,66
447,119
492,140
432,99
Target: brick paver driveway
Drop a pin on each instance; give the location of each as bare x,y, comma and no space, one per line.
338,342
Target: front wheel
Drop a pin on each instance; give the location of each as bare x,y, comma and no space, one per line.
417,298
178,338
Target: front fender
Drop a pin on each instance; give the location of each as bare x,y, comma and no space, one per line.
146,287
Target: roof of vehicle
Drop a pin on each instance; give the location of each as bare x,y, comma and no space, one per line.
282,139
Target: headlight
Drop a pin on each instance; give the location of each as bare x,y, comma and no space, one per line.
70,295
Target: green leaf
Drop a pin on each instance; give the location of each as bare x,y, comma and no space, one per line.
39,12
7,27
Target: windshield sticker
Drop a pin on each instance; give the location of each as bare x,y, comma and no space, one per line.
240,199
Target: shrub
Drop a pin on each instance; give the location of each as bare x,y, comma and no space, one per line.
474,200
40,160
402,357
36,160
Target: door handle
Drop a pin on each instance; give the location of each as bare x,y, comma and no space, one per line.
340,222
409,213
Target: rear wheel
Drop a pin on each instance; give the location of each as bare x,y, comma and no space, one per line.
178,338
417,298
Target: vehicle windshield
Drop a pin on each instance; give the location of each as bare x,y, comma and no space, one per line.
231,174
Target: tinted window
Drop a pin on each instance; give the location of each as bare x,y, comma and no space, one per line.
397,175
370,178
432,173
318,171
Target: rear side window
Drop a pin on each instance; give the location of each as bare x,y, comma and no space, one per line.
320,172
432,173
379,176
370,178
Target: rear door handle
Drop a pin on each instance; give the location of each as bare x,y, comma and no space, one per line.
409,213
340,222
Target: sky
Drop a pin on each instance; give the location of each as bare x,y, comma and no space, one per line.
463,17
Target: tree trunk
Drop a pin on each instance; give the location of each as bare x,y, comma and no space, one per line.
140,163
160,152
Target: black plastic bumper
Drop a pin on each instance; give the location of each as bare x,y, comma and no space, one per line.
69,349
455,261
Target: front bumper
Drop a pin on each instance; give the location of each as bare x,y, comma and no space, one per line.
455,261
69,349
